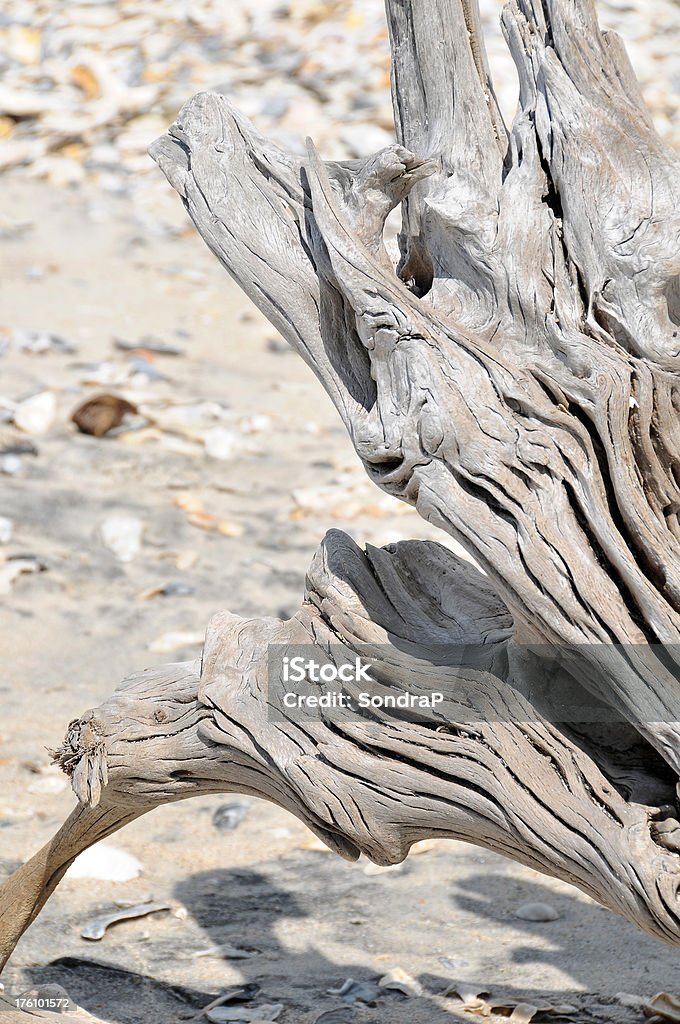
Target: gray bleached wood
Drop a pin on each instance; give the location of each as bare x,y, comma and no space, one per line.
489,768
515,378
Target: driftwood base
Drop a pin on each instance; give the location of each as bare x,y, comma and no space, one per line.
489,769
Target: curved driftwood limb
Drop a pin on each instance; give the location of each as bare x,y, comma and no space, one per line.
159,706
487,767
25,893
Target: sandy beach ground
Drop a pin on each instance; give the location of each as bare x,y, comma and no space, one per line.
223,485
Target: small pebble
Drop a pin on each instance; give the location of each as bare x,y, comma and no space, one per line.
536,912
279,346
228,817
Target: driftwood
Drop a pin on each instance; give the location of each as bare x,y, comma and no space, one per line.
516,379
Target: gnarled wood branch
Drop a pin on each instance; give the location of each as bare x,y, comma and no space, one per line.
488,767
516,379
527,403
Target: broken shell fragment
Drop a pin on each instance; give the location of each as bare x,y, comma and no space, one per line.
400,981
96,929
40,342
352,991
256,1015
13,568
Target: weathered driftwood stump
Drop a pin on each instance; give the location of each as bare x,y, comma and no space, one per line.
516,379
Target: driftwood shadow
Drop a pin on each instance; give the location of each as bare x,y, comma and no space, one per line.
267,908
587,943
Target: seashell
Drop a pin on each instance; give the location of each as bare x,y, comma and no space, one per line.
39,342
234,994
13,568
233,1014
86,80
22,43
174,589
628,999
6,530
176,641
123,536
17,152
256,424
58,171
147,344
399,980
523,1013
221,443
453,963
106,863
229,529
472,997
352,991
27,102
95,930
35,415
98,415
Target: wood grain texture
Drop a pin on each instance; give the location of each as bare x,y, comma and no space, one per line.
516,379
489,768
